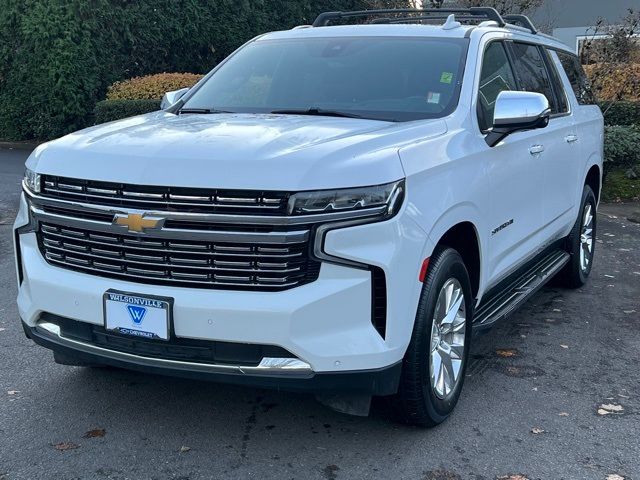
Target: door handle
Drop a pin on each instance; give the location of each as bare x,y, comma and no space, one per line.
571,138
536,149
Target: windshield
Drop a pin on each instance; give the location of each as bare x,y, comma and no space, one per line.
382,78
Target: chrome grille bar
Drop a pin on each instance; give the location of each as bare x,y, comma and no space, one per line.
196,200
79,207
151,260
296,236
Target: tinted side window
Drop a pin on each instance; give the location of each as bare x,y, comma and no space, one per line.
577,77
558,87
532,72
496,77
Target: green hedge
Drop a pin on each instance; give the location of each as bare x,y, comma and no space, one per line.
58,57
621,148
621,113
109,110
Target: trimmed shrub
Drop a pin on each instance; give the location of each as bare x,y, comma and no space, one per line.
614,82
621,148
151,87
621,113
109,110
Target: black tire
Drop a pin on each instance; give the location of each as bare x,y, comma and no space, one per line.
574,275
416,401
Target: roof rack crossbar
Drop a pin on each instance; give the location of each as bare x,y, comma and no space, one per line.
459,18
521,21
485,13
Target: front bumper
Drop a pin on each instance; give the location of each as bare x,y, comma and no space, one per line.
383,381
326,324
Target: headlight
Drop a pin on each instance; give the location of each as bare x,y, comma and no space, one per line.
32,180
387,198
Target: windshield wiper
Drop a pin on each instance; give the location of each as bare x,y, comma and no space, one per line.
316,111
201,110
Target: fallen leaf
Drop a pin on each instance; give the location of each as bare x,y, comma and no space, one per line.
507,353
563,414
537,431
13,392
95,433
611,408
564,346
184,449
614,476
64,446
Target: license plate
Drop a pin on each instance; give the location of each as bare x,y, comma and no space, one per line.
137,315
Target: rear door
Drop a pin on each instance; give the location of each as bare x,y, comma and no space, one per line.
586,113
554,149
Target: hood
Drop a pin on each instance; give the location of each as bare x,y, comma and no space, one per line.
235,151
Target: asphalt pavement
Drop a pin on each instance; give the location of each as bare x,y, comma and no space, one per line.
554,393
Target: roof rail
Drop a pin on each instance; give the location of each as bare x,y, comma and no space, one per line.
521,21
474,13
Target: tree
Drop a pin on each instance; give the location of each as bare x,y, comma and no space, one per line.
506,6
503,6
612,53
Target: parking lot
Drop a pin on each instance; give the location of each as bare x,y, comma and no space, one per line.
554,393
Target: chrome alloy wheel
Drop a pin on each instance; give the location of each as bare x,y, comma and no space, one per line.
447,339
586,238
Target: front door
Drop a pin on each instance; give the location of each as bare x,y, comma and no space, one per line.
516,178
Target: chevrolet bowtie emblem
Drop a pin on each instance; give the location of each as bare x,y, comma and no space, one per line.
138,223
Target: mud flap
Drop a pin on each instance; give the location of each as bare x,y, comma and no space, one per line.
356,405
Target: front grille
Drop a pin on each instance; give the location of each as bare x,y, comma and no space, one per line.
168,199
200,264
179,349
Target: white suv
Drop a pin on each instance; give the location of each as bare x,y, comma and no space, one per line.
334,209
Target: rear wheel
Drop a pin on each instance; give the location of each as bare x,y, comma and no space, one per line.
581,243
436,360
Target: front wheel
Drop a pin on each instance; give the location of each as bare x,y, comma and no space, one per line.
435,363
581,243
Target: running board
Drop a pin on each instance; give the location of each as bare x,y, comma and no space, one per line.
516,292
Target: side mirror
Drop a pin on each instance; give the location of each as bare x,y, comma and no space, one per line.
171,98
518,111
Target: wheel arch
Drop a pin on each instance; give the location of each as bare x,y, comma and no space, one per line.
459,228
463,237
593,178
